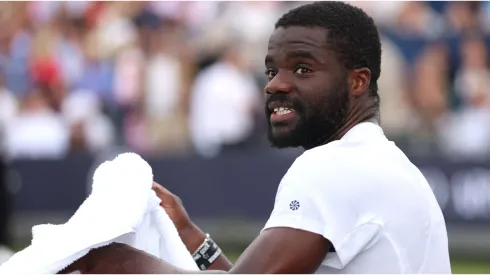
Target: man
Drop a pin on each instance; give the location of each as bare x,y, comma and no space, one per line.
353,202
225,124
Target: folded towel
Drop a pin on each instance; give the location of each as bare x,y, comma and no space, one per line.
122,208
5,254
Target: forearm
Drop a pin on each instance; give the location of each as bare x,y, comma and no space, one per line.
275,251
118,258
193,237
165,268
156,266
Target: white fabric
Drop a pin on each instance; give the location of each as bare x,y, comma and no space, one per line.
365,196
5,254
121,208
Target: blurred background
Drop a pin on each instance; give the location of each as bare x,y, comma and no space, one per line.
181,84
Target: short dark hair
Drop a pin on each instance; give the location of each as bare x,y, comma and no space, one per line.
352,34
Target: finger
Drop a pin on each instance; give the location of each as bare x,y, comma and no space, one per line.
163,194
160,189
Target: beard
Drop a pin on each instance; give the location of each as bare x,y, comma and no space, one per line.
319,119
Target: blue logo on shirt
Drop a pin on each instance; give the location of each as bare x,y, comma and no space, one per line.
294,205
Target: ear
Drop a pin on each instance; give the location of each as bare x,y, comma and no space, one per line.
359,80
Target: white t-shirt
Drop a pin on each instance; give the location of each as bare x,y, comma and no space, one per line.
366,197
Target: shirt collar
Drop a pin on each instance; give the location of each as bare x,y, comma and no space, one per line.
364,130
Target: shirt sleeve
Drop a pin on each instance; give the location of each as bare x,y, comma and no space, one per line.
317,200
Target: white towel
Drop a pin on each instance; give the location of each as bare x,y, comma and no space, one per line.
121,208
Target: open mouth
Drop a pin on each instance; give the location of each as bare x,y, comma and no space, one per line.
282,111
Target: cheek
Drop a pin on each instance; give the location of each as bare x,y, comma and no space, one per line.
324,98
314,103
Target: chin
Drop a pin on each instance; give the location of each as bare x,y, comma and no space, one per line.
283,139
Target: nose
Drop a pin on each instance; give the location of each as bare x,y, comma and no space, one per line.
280,83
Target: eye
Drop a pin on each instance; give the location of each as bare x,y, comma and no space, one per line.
302,70
270,73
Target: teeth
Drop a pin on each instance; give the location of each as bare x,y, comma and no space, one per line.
282,111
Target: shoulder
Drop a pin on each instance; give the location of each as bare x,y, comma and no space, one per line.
333,162
327,153
324,192
347,169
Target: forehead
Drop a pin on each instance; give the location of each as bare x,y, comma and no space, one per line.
296,38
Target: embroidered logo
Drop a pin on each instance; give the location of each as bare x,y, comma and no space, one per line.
294,205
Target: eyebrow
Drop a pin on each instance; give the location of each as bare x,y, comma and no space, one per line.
301,54
268,59
295,54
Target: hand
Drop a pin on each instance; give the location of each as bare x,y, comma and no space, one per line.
173,206
190,234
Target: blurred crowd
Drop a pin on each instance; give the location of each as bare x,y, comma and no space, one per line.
172,78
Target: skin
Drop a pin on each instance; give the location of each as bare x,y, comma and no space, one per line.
302,72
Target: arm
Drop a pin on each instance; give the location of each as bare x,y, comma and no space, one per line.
276,250
192,236
283,250
262,256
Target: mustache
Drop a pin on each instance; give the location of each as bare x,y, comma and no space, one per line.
284,99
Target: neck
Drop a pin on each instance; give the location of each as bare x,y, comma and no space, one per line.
359,111
349,125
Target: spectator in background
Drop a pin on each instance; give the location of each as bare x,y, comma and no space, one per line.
136,129
129,65
140,59
429,94
114,28
253,22
130,70
399,119
116,60
37,132
97,74
47,78
485,16
166,74
17,51
8,104
462,16
69,47
224,100
419,20
473,78
466,133
91,130
384,13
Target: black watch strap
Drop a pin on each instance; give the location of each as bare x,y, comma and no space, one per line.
207,253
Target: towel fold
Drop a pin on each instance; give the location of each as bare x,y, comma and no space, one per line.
121,208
